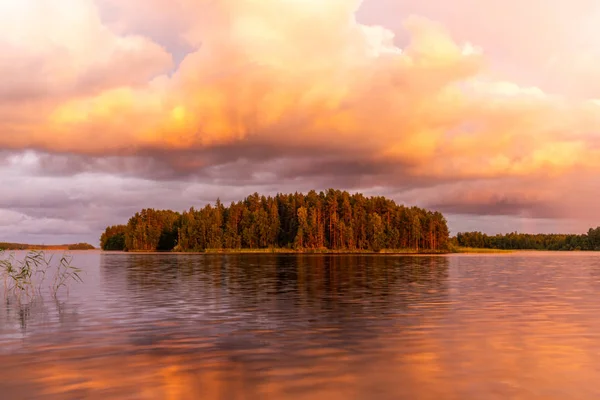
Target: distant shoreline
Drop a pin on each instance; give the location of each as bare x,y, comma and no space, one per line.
7,246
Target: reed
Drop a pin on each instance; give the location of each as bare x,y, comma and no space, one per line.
25,278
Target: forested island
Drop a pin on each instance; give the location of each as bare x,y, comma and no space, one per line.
589,241
23,246
333,221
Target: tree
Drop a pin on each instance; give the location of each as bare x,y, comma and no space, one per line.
376,232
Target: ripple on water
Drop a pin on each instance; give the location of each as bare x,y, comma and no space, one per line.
519,326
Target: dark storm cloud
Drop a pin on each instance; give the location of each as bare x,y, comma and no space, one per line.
240,164
499,205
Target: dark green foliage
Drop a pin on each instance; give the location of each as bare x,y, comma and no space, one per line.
333,220
152,230
81,246
116,242
168,240
113,238
523,241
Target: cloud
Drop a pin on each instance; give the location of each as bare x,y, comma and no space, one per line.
59,50
260,80
535,43
494,202
569,196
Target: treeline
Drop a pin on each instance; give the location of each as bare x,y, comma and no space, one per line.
80,246
14,246
23,246
524,241
333,220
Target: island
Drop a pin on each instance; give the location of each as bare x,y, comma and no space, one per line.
23,246
330,221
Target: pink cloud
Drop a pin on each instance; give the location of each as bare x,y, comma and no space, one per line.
60,50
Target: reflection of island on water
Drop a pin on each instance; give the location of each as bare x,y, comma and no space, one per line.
246,302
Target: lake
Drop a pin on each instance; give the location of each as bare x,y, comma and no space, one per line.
170,326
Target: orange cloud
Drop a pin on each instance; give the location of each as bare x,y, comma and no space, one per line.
299,74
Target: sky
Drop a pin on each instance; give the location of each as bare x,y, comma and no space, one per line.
487,111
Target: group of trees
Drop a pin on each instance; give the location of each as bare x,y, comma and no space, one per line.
23,246
523,241
113,238
327,220
80,246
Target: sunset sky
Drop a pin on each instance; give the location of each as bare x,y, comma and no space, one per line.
486,110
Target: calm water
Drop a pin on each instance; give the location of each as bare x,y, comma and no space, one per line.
517,326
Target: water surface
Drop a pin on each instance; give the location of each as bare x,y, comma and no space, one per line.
518,326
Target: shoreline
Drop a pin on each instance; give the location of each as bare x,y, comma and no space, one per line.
390,252
461,251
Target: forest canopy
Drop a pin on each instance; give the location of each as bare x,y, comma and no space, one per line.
332,220
524,241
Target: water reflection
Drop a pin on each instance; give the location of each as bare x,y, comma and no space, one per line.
39,312
243,302
305,326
